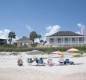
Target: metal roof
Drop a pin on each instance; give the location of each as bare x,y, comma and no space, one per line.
24,38
65,33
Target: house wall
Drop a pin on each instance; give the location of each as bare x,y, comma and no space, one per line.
3,41
24,43
67,40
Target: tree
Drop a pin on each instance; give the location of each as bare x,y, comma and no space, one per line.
39,36
33,36
45,42
11,35
41,41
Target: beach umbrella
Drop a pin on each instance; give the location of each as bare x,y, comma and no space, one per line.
72,50
57,52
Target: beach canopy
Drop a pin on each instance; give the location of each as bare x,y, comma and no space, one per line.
57,52
71,50
35,52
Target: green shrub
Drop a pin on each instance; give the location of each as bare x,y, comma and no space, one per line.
11,48
34,45
15,53
77,55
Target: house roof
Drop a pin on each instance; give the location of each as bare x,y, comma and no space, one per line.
24,38
65,33
2,38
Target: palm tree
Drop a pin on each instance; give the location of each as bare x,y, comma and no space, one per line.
33,36
11,35
39,36
41,41
45,42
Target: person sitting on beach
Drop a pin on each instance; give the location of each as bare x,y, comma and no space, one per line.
36,60
61,60
20,62
50,62
40,61
67,61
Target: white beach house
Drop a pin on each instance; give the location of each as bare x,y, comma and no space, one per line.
66,38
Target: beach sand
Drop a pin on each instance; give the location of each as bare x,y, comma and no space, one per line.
9,70
16,74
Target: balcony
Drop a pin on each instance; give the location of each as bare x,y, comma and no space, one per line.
67,43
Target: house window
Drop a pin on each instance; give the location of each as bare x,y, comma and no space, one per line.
59,40
81,40
3,41
66,40
73,40
24,45
51,40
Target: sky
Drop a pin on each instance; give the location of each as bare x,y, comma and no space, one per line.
43,16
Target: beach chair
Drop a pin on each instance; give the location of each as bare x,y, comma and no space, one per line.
40,62
29,60
50,62
61,61
20,62
67,61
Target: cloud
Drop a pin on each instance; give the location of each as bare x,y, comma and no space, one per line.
52,29
78,32
4,33
29,28
82,28
49,31
14,40
37,40
80,25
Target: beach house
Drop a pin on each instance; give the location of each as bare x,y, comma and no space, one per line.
3,41
24,42
66,38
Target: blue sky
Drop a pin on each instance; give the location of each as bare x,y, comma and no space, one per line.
42,16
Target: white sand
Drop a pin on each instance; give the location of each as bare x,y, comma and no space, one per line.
9,70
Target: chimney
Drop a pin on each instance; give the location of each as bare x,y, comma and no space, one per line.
82,30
